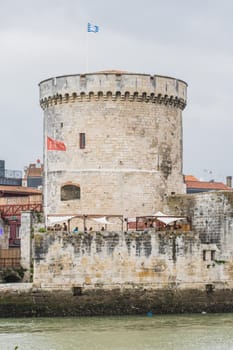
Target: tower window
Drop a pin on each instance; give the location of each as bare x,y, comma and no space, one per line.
69,192
204,255
82,140
212,255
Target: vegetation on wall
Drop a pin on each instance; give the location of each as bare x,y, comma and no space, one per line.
12,274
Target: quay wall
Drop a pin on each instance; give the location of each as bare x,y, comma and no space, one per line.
28,301
131,272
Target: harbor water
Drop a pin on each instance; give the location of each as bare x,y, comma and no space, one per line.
163,332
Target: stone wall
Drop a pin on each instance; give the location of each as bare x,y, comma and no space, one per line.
117,273
26,244
154,259
115,260
31,302
133,152
211,214
4,235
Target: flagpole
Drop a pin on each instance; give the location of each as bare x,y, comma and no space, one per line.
90,29
87,68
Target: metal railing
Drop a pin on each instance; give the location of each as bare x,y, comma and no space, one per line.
16,209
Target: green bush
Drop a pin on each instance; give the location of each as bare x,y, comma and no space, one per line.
42,229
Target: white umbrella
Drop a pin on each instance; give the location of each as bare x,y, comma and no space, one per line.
166,219
103,221
56,219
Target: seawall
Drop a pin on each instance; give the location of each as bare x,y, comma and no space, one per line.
138,301
126,273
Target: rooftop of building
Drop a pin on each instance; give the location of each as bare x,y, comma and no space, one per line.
190,178
192,182
19,190
34,170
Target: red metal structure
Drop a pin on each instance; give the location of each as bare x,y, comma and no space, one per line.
12,213
14,240
16,209
13,201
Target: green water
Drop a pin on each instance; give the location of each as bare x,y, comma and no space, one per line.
207,332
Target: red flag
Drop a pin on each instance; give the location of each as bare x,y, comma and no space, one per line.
54,145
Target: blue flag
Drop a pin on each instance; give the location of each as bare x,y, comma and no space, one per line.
91,28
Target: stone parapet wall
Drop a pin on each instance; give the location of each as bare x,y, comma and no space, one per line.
123,86
211,214
154,260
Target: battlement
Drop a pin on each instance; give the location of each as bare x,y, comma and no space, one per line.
113,85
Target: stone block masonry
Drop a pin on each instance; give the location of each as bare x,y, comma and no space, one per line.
137,301
117,273
117,260
26,243
154,259
123,137
211,214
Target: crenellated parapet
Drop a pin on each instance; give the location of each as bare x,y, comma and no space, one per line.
106,86
100,96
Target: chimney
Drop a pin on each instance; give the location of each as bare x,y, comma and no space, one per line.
229,181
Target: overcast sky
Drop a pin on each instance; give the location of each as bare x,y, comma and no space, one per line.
186,39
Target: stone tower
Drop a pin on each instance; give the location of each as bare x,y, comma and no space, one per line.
123,138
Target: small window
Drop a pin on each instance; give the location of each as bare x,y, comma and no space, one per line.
69,192
204,255
82,140
61,125
212,255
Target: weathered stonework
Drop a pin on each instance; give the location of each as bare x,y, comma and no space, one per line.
26,244
211,214
117,273
133,133
16,301
129,163
154,259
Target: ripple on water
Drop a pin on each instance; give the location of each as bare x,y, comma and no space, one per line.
192,332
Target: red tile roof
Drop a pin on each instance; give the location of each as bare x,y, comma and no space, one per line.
193,183
19,190
190,178
34,171
207,185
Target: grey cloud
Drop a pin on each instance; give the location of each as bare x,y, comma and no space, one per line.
190,40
